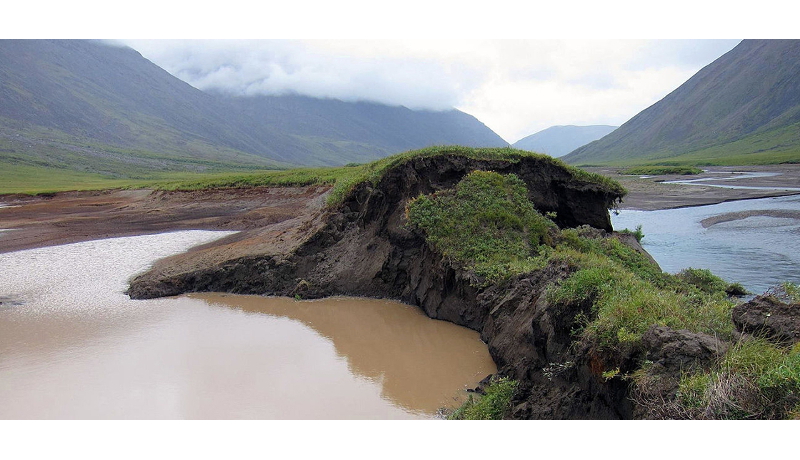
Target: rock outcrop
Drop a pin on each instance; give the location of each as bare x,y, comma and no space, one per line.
768,317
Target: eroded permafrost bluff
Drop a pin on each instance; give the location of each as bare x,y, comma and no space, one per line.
587,310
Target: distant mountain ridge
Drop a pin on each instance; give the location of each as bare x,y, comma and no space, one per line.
561,140
363,131
742,108
102,108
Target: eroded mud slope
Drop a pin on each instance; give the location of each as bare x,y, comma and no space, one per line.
364,247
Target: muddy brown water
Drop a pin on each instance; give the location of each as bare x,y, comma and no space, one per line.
73,346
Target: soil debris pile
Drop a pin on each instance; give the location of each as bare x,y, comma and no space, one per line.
768,317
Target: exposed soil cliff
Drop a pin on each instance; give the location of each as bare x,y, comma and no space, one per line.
365,248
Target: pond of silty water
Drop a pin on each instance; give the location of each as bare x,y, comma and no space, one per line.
73,346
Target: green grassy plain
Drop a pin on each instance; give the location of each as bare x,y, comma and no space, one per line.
35,179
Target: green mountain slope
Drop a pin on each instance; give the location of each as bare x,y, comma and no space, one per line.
557,141
742,108
337,132
91,107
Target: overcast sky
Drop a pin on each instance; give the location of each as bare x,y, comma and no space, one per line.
515,87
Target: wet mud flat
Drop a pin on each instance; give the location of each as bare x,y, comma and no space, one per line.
717,184
741,215
69,217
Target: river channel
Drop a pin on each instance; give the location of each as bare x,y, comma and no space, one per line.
753,242
74,346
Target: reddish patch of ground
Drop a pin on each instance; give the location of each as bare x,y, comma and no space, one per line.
70,217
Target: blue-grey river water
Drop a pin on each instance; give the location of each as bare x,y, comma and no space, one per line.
759,249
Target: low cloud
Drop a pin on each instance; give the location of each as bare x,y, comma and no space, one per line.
313,68
516,87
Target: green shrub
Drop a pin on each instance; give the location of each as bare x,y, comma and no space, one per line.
703,279
493,405
709,283
786,292
582,240
736,290
792,291
486,223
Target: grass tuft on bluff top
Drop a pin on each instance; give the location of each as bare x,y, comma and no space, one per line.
347,179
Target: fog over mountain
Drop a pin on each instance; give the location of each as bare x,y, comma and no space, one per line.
515,87
76,102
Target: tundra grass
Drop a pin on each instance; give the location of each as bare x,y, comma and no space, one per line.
344,179
755,380
286,178
777,146
487,225
35,179
492,405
